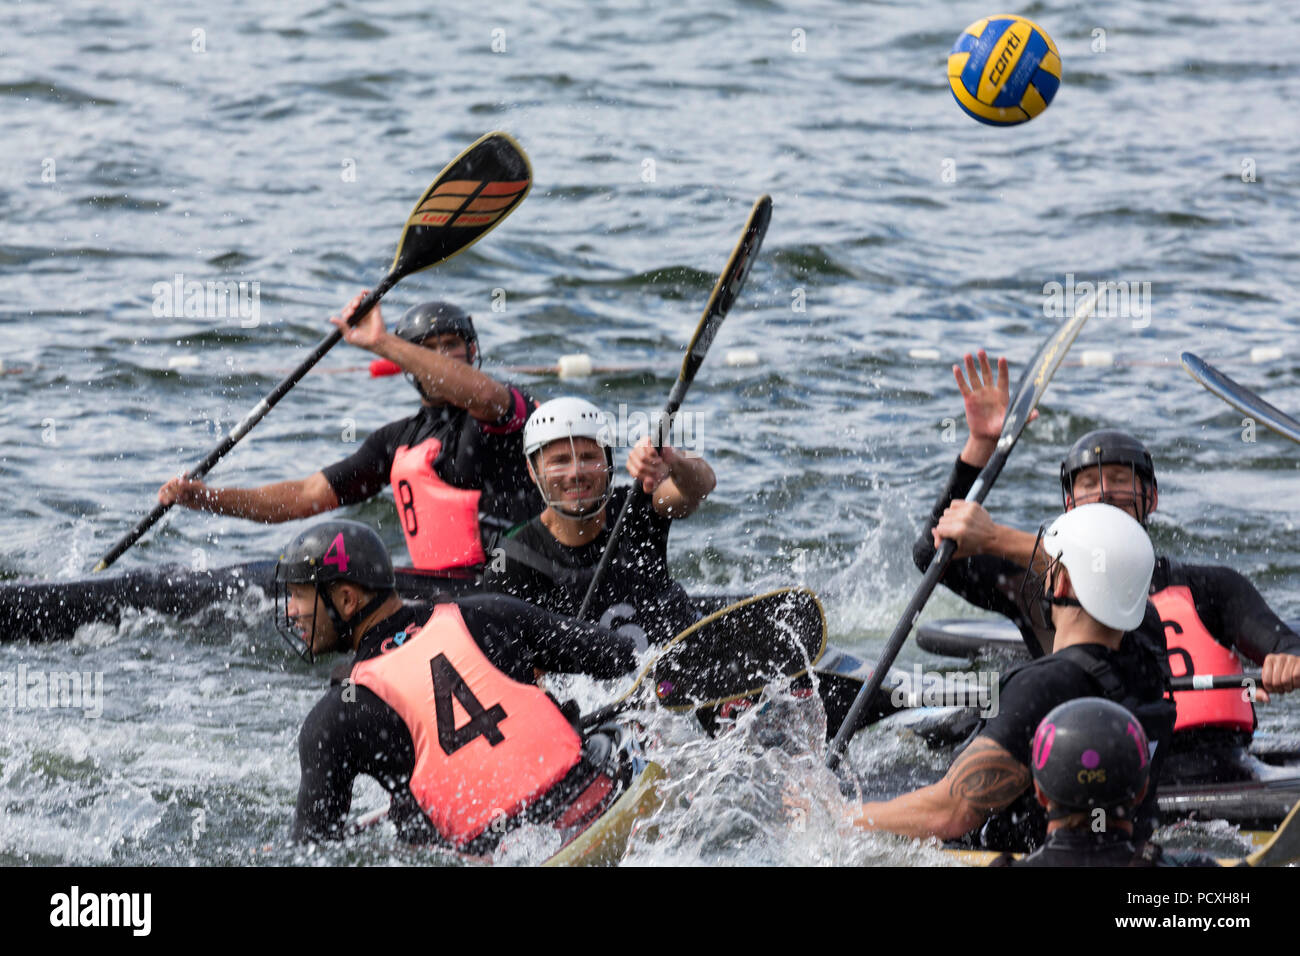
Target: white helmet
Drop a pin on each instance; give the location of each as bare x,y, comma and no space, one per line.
566,419
1110,560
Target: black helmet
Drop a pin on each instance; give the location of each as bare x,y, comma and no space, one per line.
438,318
332,551
1107,446
1090,752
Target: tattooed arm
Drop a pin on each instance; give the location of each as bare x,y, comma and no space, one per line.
982,780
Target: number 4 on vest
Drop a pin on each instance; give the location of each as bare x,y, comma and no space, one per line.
447,683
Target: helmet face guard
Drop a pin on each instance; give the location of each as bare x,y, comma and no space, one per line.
566,420
1137,489
539,476
341,551
1036,587
284,625
1098,449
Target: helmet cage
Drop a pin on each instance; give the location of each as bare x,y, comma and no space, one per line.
343,629
560,507
1035,588
1141,488
284,624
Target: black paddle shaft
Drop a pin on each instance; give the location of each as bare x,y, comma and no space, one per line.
1247,680
258,412
721,299
637,494
938,565
1031,389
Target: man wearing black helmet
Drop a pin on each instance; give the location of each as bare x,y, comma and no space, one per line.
420,691
1091,766
455,467
1205,612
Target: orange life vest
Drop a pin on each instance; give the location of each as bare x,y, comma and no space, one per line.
440,521
1193,650
486,747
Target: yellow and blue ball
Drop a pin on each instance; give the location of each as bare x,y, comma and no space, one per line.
1004,70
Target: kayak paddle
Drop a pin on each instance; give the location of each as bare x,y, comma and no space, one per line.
1249,679
1283,847
1031,389
731,654
476,190
1240,397
720,301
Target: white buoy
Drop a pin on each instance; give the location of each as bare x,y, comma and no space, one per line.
742,358
924,355
1265,353
1097,357
183,361
575,366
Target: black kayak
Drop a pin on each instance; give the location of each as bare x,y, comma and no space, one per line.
54,610
41,611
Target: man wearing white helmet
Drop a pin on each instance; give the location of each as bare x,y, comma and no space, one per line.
1091,571
551,560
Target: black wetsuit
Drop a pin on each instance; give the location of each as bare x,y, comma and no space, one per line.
351,731
1131,677
475,455
1080,846
637,587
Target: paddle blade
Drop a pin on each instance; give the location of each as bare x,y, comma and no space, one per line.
1284,847
728,286
1240,397
735,652
477,190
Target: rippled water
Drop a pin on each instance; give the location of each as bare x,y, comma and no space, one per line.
285,148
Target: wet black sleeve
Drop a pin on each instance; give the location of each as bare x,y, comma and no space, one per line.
1026,698
984,580
365,472
348,733
1237,615
655,526
517,637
